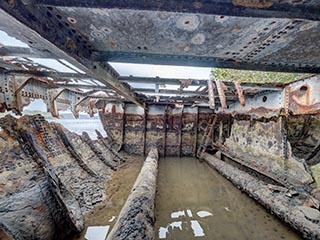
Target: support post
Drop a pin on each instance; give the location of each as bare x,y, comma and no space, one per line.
144,132
196,134
165,131
180,133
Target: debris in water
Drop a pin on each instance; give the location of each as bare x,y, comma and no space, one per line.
178,214
97,233
112,218
197,229
203,214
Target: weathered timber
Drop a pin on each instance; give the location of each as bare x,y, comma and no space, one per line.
290,209
136,219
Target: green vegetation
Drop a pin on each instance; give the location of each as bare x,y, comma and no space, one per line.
253,76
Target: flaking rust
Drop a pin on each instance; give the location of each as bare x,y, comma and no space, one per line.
173,129
50,175
253,3
240,93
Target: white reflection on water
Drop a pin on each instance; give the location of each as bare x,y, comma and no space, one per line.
97,232
197,229
177,214
195,225
203,214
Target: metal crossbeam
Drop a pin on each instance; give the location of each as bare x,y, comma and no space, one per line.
261,9
197,61
17,19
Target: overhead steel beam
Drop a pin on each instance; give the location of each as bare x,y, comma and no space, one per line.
161,81
198,61
40,32
25,52
168,91
261,9
82,86
54,75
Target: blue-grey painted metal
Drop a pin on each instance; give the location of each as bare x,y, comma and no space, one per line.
263,9
177,32
43,31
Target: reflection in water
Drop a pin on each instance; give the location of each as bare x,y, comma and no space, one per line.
195,225
97,232
194,201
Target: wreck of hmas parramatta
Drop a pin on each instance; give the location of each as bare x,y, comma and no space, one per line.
262,137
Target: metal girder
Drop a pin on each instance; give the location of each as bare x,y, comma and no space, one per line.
169,91
198,61
17,92
161,81
299,97
24,52
241,8
55,75
42,33
176,33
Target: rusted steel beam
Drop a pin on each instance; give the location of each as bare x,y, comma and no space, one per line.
240,8
161,81
123,125
211,88
240,93
58,76
180,132
196,134
144,131
221,92
169,91
24,52
296,98
165,131
62,46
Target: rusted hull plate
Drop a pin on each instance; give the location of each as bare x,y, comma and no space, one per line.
174,130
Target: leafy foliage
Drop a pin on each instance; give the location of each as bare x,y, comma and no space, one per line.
253,76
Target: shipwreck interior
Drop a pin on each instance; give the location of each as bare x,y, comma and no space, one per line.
263,137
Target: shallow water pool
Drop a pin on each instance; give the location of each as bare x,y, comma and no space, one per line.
193,201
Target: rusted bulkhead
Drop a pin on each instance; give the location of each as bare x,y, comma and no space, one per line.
175,130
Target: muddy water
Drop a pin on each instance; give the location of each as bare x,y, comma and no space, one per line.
194,201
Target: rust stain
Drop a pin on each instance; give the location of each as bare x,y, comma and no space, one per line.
70,44
240,93
40,209
197,5
11,3
112,43
253,3
308,26
221,92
